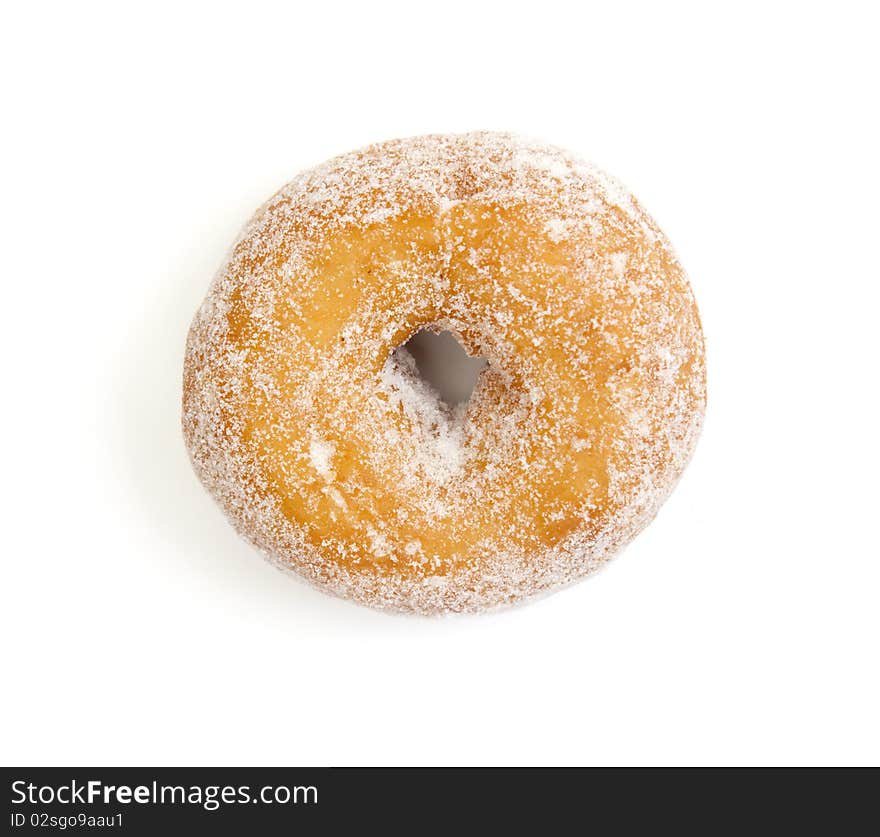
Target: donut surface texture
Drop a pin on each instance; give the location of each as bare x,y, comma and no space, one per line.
316,435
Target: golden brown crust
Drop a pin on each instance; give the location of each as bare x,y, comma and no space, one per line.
328,452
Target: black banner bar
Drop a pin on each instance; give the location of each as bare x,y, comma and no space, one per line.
136,801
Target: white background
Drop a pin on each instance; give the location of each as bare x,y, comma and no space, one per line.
741,627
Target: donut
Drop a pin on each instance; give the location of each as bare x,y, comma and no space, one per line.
308,420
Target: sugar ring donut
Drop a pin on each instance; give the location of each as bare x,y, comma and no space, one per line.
318,438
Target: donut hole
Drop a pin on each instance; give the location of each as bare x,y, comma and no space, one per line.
444,365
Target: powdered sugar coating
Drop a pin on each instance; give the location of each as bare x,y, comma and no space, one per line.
328,452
